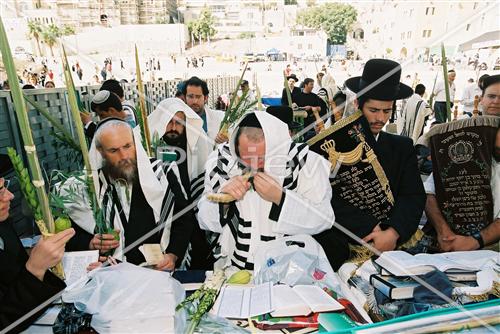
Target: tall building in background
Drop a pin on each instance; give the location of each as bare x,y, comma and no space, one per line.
87,13
147,11
236,18
410,29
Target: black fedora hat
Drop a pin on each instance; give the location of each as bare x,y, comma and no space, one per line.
284,114
5,165
388,89
292,76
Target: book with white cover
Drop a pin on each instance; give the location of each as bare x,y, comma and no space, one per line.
400,263
301,300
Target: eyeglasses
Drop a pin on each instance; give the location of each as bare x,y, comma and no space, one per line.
4,187
194,96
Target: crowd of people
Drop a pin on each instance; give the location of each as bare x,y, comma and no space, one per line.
338,177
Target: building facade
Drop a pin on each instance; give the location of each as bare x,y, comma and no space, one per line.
417,29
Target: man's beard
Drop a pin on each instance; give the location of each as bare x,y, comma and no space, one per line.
173,138
125,169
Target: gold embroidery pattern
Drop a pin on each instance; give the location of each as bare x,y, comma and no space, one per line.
355,156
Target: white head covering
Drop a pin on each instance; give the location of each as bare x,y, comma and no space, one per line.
197,140
153,189
328,83
277,139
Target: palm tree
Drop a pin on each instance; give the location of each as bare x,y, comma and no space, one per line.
50,34
35,30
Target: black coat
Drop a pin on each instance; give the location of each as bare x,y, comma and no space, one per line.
90,131
294,94
20,291
398,158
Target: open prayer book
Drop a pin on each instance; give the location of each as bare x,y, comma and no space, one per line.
241,302
302,300
400,263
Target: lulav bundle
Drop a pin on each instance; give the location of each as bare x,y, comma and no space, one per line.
27,187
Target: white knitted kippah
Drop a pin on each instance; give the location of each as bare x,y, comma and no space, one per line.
101,96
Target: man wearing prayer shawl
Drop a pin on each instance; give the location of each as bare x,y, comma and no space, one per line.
288,192
181,132
414,114
377,190
137,195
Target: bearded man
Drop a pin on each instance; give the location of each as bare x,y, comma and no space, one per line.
138,196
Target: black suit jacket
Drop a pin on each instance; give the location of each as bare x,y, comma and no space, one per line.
20,291
398,158
90,131
294,94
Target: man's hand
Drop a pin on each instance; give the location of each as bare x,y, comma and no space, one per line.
168,262
94,265
104,242
456,242
236,187
47,253
267,188
221,138
85,117
383,240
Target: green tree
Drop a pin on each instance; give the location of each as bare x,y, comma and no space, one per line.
203,27
67,30
34,31
50,35
334,19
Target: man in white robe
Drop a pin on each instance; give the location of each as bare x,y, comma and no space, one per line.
291,190
181,132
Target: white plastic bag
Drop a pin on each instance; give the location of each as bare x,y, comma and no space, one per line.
293,260
129,299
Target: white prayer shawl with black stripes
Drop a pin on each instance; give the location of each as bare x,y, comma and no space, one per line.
305,207
154,185
198,143
413,117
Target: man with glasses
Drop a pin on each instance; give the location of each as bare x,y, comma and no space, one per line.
196,93
25,281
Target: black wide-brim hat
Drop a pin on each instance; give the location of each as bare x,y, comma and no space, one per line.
284,114
292,76
5,165
387,89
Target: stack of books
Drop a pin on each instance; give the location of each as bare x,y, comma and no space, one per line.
397,268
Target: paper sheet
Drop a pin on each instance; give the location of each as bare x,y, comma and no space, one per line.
75,264
152,253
